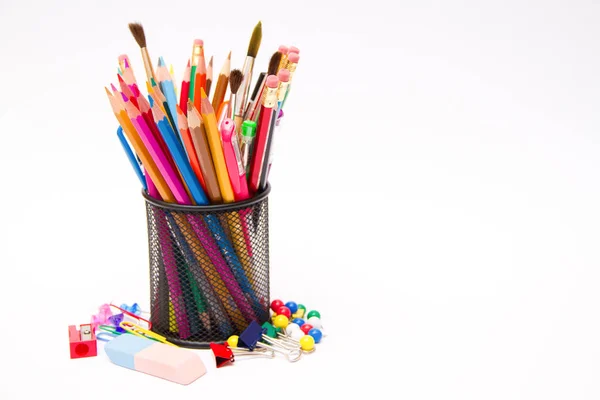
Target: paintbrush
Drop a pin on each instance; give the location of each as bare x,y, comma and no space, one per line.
253,108
138,34
235,81
244,90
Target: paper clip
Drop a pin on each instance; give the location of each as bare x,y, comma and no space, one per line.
144,333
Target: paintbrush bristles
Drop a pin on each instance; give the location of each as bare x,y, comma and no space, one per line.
137,30
254,40
235,80
274,63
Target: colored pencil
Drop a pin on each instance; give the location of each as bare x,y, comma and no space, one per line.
157,154
180,159
214,141
140,149
168,89
185,89
189,147
198,134
222,83
132,158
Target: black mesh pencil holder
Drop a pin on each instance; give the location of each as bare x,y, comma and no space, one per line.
209,269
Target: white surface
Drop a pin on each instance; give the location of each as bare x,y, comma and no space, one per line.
437,201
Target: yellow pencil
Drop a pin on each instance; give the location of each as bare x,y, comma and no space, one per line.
214,142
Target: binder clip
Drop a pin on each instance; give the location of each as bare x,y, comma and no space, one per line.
251,335
82,342
223,354
254,333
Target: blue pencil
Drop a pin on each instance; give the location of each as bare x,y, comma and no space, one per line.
132,158
179,156
168,89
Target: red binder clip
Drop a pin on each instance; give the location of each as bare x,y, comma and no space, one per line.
223,354
82,342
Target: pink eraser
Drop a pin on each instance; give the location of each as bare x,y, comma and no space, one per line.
283,49
157,359
284,75
294,50
293,57
272,81
198,42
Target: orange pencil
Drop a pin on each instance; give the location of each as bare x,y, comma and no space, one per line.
140,149
200,81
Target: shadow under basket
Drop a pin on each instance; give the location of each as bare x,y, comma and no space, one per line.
209,269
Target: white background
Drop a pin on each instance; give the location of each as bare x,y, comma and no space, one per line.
435,194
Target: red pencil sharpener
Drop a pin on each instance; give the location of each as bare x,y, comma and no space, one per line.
82,342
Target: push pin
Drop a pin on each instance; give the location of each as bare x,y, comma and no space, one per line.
103,316
82,342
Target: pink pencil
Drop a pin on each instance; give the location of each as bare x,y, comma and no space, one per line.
233,160
236,172
171,177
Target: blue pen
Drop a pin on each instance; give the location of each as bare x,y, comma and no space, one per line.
132,158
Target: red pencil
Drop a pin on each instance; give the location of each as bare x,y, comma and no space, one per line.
185,89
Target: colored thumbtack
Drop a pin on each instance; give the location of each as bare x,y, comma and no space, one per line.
315,322
316,334
281,321
283,310
293,307
233,340
275,304
104,313
307,342
134,309
306,328
300,312
313,313
298,321
292,328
